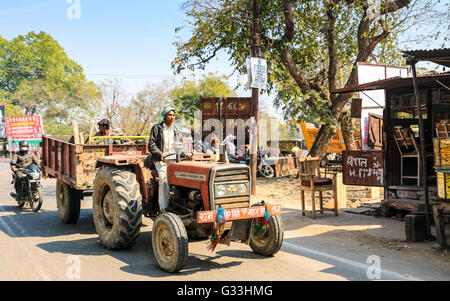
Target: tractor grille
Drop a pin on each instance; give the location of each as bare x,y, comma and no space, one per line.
233,176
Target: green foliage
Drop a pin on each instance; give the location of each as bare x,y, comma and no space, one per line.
37,75
186,96
226,26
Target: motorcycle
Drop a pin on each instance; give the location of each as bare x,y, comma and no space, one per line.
264,168
30,188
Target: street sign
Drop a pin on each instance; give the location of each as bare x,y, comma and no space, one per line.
364,168
258,73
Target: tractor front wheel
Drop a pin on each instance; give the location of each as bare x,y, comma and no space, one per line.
170,242
270,242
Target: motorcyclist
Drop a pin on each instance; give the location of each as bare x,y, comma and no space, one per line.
22,159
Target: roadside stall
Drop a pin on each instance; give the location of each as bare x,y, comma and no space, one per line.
408,186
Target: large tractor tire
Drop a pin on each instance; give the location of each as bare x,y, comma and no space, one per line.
117,207
68,201
270,243
170,242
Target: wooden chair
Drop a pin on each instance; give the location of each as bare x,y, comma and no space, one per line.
408,148
311,180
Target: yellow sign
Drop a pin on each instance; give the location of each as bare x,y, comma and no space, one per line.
443,181
337,144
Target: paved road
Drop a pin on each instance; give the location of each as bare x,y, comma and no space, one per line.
38,246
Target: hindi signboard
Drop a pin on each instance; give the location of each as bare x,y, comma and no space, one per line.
24,128
258,73
363,168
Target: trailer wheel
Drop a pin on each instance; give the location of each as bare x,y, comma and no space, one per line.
170,242
117,208
68,202
270,243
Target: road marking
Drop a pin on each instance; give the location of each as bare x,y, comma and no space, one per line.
355,264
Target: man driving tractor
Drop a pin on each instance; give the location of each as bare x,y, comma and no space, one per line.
22,159
163,136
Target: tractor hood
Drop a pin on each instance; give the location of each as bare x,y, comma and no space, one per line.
193,173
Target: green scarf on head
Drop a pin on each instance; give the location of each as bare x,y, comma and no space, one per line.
164,113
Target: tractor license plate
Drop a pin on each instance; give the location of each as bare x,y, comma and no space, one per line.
238,213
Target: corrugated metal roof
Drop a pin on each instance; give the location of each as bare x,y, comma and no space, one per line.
439,56
397,82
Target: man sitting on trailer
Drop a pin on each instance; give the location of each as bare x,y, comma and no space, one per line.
104,128
163,136
22,159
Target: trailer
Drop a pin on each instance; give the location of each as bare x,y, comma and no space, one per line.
74,168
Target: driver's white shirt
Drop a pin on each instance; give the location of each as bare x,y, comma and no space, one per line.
169,139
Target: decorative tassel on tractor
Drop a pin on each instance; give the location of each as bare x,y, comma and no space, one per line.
220,220
262,225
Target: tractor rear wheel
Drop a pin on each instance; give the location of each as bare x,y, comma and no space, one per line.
117,207
269,243
68,201
170,242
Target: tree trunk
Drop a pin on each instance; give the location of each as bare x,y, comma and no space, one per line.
347,131
322,141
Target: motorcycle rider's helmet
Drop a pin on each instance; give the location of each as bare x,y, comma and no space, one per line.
23,146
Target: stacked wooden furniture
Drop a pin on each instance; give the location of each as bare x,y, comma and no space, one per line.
442,168
408,148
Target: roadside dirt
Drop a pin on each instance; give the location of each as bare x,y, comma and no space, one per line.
348,228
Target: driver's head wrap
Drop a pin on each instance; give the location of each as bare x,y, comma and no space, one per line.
164,113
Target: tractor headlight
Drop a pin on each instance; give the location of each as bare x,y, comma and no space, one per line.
242,188
232,189
221,190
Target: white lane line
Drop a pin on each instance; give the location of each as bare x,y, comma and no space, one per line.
355,264
27,251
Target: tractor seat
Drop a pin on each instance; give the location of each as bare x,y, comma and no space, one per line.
148,163
319,182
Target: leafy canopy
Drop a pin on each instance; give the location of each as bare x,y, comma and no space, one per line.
311,46
186,96
37,75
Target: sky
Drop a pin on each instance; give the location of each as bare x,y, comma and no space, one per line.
130,40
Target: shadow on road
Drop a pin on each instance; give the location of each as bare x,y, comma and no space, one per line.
25,223
139,259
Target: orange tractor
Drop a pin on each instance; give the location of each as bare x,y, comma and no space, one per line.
208,199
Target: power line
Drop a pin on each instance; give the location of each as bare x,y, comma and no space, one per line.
137,75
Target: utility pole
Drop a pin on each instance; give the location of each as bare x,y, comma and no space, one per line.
423,157
255,52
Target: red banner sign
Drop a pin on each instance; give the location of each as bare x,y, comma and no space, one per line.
238,213
24,128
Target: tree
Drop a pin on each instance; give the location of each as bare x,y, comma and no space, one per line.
186,96
37,75
113,95
312,47
137,117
